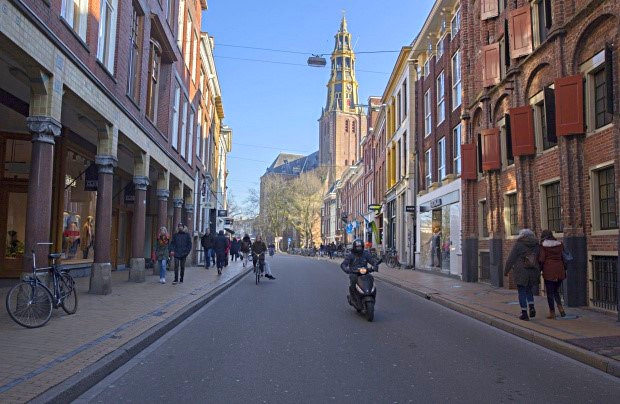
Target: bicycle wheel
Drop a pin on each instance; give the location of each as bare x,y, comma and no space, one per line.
68,294
29,304
257,272
391,262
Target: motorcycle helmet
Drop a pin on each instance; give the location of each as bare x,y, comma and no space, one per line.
358,247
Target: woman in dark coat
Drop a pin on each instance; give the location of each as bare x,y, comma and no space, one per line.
523,262
234,249
553,270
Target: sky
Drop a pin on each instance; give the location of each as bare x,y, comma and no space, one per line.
272,100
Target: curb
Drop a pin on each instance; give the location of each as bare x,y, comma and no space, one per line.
79,383
600,362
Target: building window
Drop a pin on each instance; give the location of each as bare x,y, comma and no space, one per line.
427,66
135,59
553,207
181,15
441,115
152,96
107,34
440,48
75,13
187,55
598,89
190,136
199,133
507,156
175,116
512,214
456,80
456,147
427,113
544,119
541,20
483,213
604,282
455,23
605,198
428,164
441,159
184,126
405,99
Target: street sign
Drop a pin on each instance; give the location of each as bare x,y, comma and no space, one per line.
222,213
410,208
375,207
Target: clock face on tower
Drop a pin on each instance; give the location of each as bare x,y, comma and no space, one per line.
349,87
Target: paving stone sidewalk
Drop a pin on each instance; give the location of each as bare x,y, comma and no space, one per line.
112,327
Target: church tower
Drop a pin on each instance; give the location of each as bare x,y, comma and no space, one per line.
343,119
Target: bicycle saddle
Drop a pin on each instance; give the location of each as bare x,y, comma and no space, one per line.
54,256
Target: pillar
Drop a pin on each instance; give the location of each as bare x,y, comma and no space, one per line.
106,160
44,130
178,205
137,272
189,215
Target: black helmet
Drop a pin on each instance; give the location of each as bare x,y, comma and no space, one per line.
358,246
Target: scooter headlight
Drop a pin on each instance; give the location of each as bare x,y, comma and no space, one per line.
359,289
363,271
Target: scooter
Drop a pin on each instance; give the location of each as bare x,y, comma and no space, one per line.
363,299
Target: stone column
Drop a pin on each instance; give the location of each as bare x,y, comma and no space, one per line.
137,271
101,272
39,208
178,204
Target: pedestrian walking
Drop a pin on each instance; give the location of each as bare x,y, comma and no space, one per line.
161,252
219,245
207,245
234,249
180,247
227,253
523,262
553,270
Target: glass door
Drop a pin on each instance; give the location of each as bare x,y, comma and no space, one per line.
13,224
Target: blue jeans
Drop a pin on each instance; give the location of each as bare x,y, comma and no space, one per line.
162,268
209,257
525,296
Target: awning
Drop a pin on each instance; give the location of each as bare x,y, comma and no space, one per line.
229,230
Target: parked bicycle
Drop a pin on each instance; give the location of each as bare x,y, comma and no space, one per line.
30,302
391,258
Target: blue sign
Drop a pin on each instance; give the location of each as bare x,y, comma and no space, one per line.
349,228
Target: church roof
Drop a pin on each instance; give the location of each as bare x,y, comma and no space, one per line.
294,164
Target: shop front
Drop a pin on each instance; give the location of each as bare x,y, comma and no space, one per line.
439,230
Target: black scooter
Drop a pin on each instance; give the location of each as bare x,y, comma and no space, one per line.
363,299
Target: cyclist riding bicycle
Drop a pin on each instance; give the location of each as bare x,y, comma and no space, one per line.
258,256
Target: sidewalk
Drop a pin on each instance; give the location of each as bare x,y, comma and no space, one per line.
105,332
584,334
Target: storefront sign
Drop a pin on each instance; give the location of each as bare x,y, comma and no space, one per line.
222,212
130,196
91,176
435,203
410,208
375,207
228,222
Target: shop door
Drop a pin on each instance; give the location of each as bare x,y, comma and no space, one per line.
13,204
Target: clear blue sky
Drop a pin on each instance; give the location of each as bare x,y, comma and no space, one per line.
273,106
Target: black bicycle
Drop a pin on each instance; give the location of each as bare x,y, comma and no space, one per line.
391,258
259,268
30,302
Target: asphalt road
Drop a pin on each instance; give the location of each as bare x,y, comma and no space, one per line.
295,339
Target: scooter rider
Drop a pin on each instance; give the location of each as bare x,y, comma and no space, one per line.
358,258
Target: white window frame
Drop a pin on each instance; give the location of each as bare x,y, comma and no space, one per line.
456,142
481,202
427,66
428,162
180,32
67,12
537,102
441,159
428,120
184,126
441,97
455,22
187,53
190,135
106,45
507,214
199,133
595,208
501,124
456,80
588,69
544,218
440,48
174,138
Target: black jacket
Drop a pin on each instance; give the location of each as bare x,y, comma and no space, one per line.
234,246
207,241
353,261
220,243
181,244
258,247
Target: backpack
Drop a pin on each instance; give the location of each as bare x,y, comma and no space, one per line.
530,260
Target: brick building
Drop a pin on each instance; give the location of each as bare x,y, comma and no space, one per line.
106,130
541,137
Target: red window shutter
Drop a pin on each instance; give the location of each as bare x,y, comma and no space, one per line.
520,32
489,9
491,152
569,110
490,61
468,156
522,125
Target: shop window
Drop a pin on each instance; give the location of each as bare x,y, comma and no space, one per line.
512,215
75,13
441,93
456,80
544,119
441,159
427,113
16,203
552,207
17,155
428,164
135,54
604,206
456,148
152,96
107,33
483,218
599,89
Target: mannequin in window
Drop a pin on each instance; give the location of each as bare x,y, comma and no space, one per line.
86,236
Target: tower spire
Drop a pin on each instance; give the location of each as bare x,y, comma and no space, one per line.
342,88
